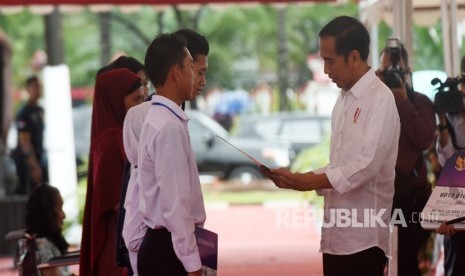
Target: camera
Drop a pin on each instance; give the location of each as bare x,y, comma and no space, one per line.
448,98
394,75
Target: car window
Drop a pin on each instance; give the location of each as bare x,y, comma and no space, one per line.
196,130
267,128
308,131
204,123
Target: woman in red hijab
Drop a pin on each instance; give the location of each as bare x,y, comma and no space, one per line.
115,92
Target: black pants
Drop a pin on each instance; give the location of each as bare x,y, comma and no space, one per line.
454,251
156,255
411,237
369,262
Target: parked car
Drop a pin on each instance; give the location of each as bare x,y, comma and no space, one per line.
299,130
213,156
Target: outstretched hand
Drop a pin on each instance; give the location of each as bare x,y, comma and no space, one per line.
445,229
285,179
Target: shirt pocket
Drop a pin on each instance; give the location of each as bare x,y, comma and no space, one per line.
353,140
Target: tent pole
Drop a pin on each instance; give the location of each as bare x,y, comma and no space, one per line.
446,38
54,38
455,55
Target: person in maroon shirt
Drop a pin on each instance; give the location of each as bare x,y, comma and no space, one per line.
412,189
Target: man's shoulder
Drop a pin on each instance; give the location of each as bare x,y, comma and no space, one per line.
27,110
23,111
420,96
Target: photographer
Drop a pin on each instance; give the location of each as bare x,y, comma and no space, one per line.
417,133
451,139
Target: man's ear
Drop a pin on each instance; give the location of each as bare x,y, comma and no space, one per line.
354,57
175,72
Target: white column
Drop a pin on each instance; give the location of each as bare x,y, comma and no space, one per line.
59,140
455,54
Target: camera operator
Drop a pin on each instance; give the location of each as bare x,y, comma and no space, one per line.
418,126
451,139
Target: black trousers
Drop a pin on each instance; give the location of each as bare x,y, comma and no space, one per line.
369,262
156,255
454,251
412,238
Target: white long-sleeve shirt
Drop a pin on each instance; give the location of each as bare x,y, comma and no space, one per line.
133,228
364,144
169,185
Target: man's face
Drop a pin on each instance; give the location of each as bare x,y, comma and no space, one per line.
385,62
187,76
35,91
200,70
338,69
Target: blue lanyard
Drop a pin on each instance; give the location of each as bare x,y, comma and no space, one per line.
167,107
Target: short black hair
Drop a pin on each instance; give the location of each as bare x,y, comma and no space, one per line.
197,44
165,51
123,62
350,35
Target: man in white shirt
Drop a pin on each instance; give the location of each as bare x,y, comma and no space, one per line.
170,202
134,230
358,183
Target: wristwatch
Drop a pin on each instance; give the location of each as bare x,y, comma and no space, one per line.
442,127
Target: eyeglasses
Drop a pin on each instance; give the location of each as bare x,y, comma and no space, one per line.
146,84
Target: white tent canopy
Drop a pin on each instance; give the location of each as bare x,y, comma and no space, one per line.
401,14
424,12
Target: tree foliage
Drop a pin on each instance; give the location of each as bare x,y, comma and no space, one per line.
243,40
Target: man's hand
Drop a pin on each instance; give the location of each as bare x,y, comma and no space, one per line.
445,229
285,179
400,93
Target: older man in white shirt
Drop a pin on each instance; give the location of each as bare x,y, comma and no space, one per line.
358,183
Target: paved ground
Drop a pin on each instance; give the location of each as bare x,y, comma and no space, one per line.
252,243
254,240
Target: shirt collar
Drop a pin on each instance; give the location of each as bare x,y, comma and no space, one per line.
172,105
360,87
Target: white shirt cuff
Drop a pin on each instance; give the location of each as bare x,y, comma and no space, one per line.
191,262
337,180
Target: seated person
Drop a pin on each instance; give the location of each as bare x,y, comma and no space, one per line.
44,224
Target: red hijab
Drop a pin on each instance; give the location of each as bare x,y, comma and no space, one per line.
105,172
108,108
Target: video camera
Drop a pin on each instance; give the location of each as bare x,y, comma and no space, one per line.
393,75
449,99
